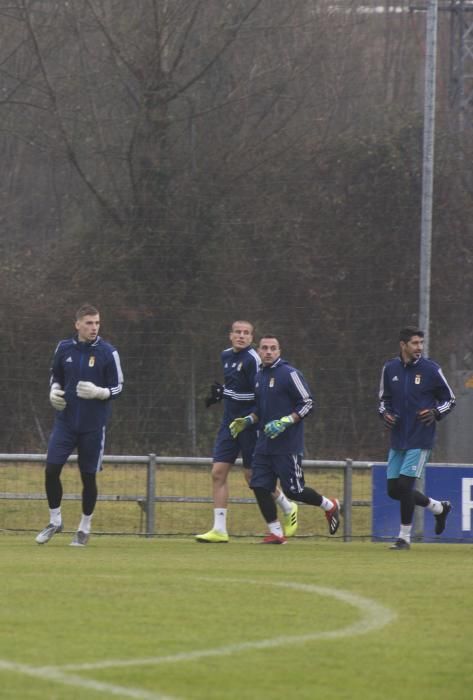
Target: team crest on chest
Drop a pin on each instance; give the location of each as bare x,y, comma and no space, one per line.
417,379
91,360
271,382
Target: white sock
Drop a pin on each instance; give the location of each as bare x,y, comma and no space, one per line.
405,533
55,516
85,523
220,519
283,502
434,506
326,504
276,529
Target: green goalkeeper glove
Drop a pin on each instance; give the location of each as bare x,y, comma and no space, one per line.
239,424
276,427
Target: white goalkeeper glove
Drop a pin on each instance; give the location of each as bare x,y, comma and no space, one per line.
56,397
89,390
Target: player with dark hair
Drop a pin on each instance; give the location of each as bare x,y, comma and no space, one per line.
283,400
413,396
85,376
240,364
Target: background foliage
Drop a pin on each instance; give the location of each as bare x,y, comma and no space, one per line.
184,163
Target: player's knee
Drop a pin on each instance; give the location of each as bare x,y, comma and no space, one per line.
219,472
393,489
89,482
53,471
406,484
397,488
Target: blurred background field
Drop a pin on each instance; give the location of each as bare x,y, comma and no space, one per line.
182,164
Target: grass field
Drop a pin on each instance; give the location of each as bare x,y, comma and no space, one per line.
168,618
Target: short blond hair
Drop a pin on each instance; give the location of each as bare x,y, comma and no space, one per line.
248,323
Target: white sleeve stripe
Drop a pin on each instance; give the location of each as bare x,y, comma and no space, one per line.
230,394
256,357
115,390
308,402
381,385
447,384
305,409
118,366
302,390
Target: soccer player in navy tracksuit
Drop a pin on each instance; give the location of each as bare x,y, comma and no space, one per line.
240,364
413,395
85,376
283,400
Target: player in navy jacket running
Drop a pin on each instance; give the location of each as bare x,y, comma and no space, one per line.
413,396
240,363
283,400
85,376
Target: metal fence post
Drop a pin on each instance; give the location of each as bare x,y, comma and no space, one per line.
347,500
150,494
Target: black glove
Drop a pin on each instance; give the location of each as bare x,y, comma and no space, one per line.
389,419
428,415
216,394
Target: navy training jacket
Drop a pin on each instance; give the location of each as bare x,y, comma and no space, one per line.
404,391
96,362
239,372
280,390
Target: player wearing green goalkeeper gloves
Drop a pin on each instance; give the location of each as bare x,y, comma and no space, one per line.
240,364
283,400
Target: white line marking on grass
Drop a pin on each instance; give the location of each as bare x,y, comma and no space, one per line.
374,616
56,675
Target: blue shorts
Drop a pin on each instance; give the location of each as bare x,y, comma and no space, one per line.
227,448
407,462
63,441
267,469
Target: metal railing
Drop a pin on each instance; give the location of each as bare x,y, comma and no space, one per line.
148,499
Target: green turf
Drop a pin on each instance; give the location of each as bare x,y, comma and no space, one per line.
127,598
